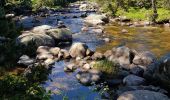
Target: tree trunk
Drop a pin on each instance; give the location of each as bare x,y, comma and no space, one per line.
155,15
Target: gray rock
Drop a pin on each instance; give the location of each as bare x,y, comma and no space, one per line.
25,61
35,39
108,53
86,67
122,55
49,62
60,34
54,51
95,19
41,29
78,50
133,88
144,58
70,67
142,95
133,80
97,56
124,31
137,71
44,56
88,77
43,49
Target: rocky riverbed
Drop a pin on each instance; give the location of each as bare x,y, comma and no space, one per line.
81,72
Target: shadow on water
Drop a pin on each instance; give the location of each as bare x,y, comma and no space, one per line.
66,85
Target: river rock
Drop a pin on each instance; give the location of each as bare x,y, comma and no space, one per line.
97,31
142,95
162,71
54,51
41,29
78,50
106,40
44,56
86,66
97,56
70,67
134,88
32,39
84,29
49,62
42,49
60,35
144,58
88,7
65,54
122,55
108,53
95,19
25,61
133,80
124,31
137,71
91,76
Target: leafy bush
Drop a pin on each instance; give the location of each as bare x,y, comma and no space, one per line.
26,88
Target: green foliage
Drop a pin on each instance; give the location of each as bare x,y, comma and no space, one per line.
38,74
163,15
108,67
136,9
20,87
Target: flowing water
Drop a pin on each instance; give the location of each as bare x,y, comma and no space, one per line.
155,39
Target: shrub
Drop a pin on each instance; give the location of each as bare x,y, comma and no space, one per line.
20,87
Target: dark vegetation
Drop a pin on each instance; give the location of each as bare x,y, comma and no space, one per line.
20,86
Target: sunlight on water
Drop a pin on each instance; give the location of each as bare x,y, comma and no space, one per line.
154,39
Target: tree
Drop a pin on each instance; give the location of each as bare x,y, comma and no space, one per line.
155,14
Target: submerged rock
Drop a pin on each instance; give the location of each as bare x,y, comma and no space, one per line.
142,95
88,77
70,67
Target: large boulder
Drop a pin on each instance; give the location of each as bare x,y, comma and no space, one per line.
122,55
41,29
96,19
60,34
142,95
78,50
162,71
144,58
134,88
35,39
133,80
